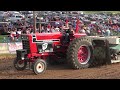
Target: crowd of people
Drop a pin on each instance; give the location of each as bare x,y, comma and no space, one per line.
93,24
14,30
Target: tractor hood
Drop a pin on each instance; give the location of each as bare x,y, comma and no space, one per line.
51,36
45,36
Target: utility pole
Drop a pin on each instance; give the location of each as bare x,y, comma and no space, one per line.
40,22
34,18
40,27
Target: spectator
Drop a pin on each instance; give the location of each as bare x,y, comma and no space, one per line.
28,31
42,29
48,28
88,32
13,34
82,30
57,29
108,33
18,33
103,32
53,29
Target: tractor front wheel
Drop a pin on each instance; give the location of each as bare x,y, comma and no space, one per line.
20,64
39,66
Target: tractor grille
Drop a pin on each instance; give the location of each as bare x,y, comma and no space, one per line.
21,53
18,55
26,45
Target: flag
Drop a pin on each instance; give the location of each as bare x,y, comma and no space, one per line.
77,25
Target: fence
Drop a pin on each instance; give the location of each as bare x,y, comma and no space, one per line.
8,46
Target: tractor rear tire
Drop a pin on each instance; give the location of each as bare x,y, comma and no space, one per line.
39,66
80,53
20,64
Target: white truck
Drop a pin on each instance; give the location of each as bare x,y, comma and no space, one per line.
15,18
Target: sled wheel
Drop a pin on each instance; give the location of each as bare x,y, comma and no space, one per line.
39,66
100,55
108,55
79,54
20,64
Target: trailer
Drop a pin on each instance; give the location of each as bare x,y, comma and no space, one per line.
114,46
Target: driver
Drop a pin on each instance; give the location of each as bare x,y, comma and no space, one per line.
66,33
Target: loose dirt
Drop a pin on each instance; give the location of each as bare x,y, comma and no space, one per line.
7,71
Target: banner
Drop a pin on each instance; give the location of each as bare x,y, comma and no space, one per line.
14,46
4,48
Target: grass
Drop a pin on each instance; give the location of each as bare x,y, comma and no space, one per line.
6,39
2,38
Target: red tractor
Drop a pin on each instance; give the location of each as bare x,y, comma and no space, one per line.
76,49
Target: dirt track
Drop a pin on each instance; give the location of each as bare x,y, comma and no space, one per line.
7,71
